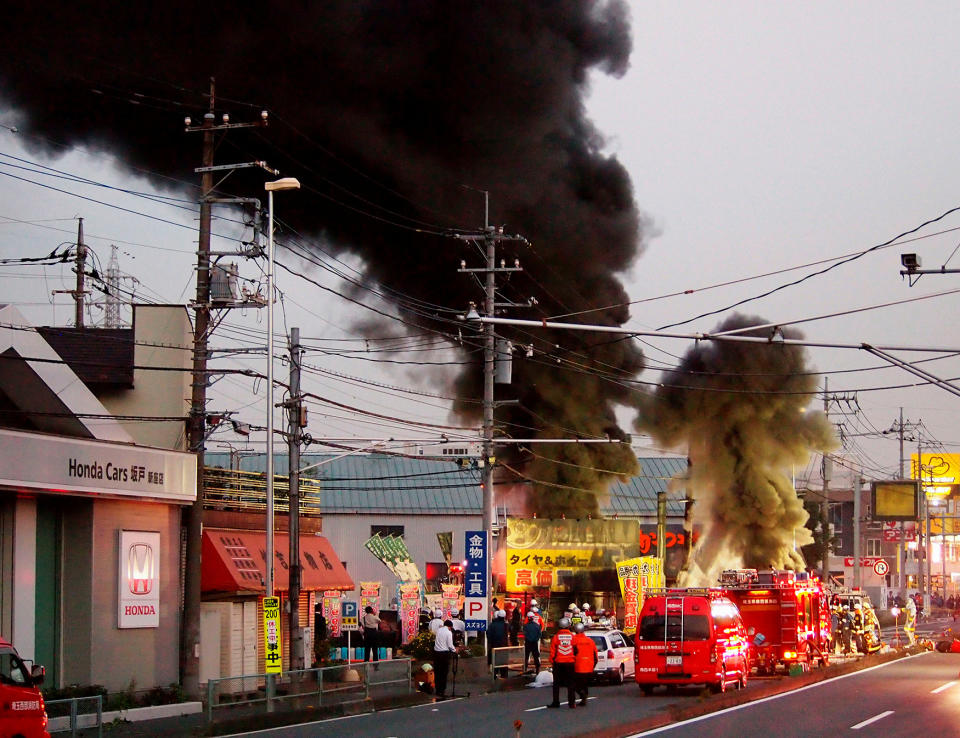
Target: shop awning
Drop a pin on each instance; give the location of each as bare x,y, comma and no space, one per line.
235,561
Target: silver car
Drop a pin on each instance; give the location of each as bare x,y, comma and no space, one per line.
614,654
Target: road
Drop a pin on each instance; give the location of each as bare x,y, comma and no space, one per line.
914,696
901,697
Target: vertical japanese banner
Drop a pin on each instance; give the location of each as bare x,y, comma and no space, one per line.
628,572
476,581
451,598
272,648
331,611
409,610
370,596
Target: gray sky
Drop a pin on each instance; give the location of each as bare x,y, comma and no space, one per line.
760,137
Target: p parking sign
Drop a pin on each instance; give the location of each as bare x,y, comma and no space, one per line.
349,617
273,653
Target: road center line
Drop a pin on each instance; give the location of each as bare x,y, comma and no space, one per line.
946,686
874,719
544,707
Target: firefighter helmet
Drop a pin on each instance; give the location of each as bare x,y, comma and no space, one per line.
564,623
533,602
578,628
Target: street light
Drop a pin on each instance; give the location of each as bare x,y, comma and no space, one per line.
287,183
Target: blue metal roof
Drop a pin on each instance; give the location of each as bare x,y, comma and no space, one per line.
382,483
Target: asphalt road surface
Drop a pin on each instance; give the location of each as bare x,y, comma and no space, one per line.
909,697
916,696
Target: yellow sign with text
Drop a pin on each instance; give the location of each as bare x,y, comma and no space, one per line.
273,652
938,474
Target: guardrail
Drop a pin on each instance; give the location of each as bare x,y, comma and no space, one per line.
76,717
506,659
299,690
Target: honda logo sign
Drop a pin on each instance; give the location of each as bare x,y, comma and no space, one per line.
138,586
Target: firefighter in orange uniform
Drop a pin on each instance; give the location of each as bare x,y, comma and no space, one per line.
584,661
562,657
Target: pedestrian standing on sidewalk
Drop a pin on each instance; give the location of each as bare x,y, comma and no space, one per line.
515,626
532,632
584,661
562,658
443,650
371,633
497,637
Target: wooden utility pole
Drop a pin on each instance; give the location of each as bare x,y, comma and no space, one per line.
196,427
190,627
295,423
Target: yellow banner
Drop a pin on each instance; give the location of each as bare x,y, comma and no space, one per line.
271,635
637,575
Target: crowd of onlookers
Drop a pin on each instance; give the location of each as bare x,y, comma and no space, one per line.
951,604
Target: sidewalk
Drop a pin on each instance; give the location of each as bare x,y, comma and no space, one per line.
472,678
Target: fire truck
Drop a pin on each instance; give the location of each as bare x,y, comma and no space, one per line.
786,614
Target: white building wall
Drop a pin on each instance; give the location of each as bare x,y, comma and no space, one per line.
25,577
164,338
348,532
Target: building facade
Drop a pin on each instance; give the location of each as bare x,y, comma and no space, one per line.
90,533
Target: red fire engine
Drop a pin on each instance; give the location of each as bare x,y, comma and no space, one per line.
786,613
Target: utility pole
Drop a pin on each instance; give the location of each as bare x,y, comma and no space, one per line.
925,577
857,502
827,476
296,421
900,427
190,627
81,265
827,473
491,237
196,424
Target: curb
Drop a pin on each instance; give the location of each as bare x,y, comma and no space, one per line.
132,715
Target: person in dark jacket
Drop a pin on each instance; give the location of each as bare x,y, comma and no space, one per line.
515,626
532,633
497,637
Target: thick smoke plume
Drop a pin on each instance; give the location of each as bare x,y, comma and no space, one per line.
740,410
385,109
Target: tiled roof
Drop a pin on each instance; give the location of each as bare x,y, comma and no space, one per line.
379,483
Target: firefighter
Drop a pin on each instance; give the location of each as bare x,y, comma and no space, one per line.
846,626
835,627
910,621
858,628
562,658
585,661
576,616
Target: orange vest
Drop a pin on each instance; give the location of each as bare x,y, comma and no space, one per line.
561,647
585,651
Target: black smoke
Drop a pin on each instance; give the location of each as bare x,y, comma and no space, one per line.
384,110
739,410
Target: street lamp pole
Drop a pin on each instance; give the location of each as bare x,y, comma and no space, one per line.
287,183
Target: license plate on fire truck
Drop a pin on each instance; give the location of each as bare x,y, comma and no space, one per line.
676,660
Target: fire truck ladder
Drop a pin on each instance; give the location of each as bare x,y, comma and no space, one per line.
677,603
788,622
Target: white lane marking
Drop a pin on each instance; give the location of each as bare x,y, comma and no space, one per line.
281,729
671,726
946,686
544,707
874,719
